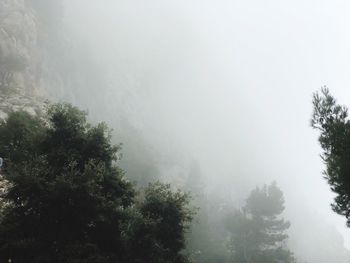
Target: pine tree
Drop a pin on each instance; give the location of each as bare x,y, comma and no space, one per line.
256,231
331,119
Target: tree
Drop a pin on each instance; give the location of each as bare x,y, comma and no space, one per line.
206,238
331,119
256,233
139,161
157,233
67,201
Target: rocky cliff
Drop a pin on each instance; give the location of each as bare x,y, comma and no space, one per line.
26,68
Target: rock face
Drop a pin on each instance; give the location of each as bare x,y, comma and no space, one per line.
25,70
16,102
18,41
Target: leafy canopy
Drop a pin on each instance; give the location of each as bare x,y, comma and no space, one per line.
67,201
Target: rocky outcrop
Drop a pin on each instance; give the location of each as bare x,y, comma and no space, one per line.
19,102
18,49
26,70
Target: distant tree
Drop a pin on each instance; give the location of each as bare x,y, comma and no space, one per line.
157,232
67,201
206,241
138,160
256,233
331,119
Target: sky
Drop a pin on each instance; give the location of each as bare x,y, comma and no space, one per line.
229,83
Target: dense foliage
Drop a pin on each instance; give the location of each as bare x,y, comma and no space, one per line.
256,233
332,121
67,201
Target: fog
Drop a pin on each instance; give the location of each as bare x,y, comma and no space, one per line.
228,84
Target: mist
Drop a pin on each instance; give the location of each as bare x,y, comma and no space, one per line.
229,85
226,85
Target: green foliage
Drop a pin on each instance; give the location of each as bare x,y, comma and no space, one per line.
67,201
256,232
162,220
332,121
19,136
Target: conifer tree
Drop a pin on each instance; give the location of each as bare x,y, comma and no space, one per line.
256,231
331,119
